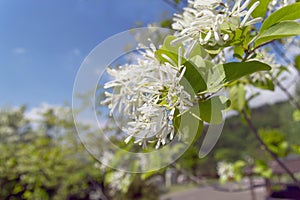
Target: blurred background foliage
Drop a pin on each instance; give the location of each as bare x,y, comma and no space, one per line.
43,159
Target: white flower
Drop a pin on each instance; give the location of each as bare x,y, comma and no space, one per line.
211,21
239,11
118,181
268,58
148,93
205,3
225,171
202,25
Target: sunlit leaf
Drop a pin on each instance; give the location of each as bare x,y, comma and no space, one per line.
280,30
290,12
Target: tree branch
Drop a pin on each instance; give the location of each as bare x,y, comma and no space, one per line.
280,53
288,62
257,136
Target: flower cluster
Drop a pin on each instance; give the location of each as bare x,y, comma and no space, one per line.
225,171
148,93
269,58
211,21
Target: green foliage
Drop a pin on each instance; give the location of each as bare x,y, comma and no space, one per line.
194,77
211,110
188,123
290,12
297,62
237,70
37,166
276,141
238,167
277,31
237,94
280,24
296,115
47,162
296,149
261,168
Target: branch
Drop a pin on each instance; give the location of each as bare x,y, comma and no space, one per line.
257,136
288,62
286,59
282,54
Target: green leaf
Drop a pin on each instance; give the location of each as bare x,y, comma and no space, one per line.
297,62
198,50
262,169
290,12
275,140
188,124
216,76
261,9
277,31
236,70
170,51
161,55
237,94
238,169
166,23
211,110
296,149
238,52
213,50
173,48
194,77
296,115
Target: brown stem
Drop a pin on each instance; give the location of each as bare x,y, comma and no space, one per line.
257,136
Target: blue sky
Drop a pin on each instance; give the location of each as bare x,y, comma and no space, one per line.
43,43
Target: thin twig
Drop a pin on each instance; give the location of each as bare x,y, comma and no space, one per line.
282,54
292,99
257,136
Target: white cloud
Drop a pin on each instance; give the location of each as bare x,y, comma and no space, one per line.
19,50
